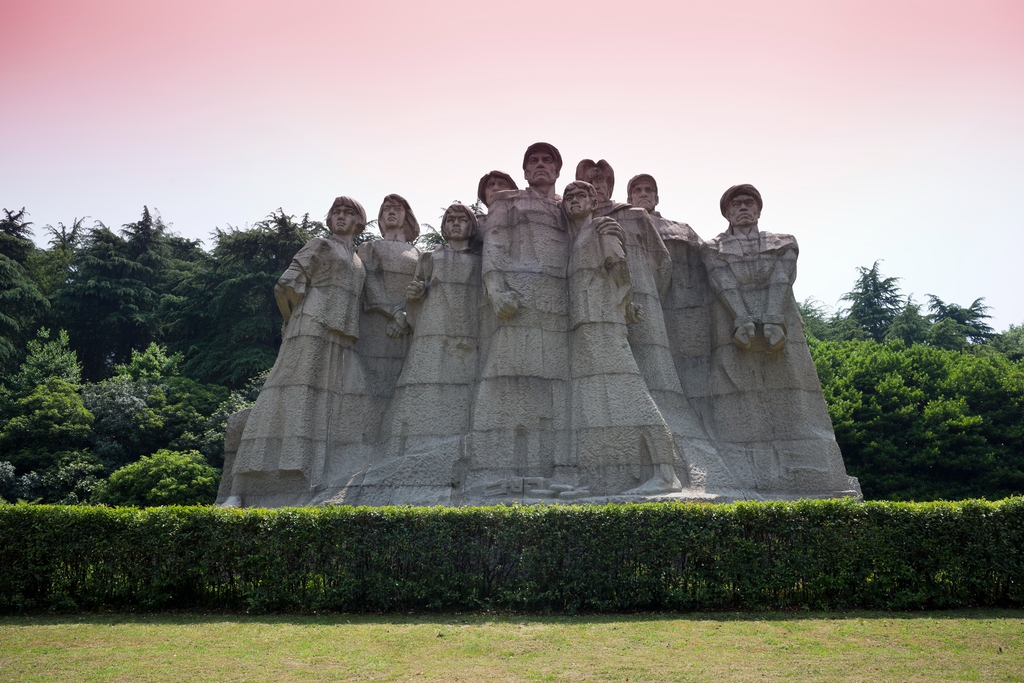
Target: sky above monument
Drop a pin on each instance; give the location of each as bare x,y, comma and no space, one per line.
874,130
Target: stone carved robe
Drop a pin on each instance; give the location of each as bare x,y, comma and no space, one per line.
390,266
314,399
617,430
766,406
520,408
429,415
651,268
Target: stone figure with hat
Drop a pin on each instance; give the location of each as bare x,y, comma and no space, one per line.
764,400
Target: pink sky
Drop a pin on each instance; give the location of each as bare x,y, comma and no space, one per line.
874,130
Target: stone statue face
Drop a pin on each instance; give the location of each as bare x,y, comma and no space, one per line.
541,169
600,182
644,195
493,186
393,215
578,203
457,227
343,221
742,211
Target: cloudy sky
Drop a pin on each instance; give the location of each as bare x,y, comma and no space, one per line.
888,130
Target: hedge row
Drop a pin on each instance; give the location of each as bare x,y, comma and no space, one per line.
806,554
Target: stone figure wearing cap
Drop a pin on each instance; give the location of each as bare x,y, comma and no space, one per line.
642,192
763,394
519,415
686,306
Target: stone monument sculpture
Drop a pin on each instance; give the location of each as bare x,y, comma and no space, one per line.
493,183
559,350
429,416
390,264
651,267
620,440
316,400
763,395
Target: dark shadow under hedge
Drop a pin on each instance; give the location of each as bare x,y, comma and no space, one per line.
748,556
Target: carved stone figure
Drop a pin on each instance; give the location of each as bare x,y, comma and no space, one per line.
570,350
315,399
764,398
651,268
390,264
429,416
493,183
620,439
520,418
687,303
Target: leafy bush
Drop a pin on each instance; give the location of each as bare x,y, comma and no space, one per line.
164,478
921,423
835,554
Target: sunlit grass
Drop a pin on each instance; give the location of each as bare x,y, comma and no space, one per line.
963,645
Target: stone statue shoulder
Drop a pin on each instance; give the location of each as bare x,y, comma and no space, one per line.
675,231
730,247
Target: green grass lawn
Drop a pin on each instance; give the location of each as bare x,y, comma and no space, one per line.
962,645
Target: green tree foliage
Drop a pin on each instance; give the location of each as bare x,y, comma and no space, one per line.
164,478
21,302
42,416
1010,343
113,302
51,421
909,326
955,327
50,268
229,326
922,423
875,301
147,405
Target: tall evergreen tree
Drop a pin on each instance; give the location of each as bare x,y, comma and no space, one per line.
228,325
111,303
875,301
21,302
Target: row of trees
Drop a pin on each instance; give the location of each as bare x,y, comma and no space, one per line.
123,352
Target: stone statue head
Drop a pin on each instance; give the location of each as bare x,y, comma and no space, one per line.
599,174
336,210
579,199
493,182
453,228
542,163
741,205
642,191
395,214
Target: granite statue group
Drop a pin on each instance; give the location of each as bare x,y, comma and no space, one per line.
554,349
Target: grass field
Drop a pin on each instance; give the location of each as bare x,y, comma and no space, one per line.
962,645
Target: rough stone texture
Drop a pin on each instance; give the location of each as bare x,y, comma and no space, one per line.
584,353
317,391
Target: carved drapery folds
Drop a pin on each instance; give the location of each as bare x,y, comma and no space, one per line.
561,350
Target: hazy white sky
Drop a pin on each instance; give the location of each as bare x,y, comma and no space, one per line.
874,130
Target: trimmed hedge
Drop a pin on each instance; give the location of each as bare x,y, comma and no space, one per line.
833,554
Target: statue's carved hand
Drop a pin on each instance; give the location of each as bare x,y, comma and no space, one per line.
634,314
775,336
398,327
744,335
607,226
505,304
415,290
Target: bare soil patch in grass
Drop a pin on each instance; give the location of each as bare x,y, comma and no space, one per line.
961,645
